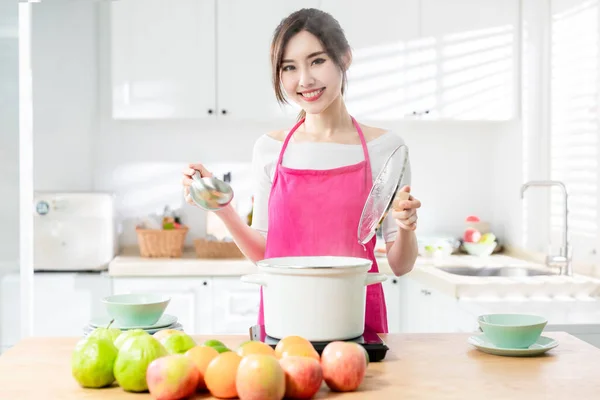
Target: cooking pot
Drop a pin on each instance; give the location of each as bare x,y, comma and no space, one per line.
319,298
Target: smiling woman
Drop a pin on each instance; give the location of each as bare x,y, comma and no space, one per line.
310,39
312,182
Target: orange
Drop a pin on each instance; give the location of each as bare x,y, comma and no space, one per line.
288,341
302,350
255,348
220,375
202,356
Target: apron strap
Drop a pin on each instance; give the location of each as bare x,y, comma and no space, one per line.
361,135
287,139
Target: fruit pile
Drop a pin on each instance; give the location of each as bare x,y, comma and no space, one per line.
171,365
473,235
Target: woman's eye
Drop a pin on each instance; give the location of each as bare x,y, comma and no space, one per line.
288,68
318,61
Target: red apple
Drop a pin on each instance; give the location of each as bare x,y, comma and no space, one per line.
472,218
260,377
303,376
344,366
471,235
172,377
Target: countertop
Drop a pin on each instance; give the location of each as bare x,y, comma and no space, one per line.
417,366
426,271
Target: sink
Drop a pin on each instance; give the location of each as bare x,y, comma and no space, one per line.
496,271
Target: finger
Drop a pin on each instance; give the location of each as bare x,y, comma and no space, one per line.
188,171
411,220
185,181
401,214
405,188
200,168
408,204
400,198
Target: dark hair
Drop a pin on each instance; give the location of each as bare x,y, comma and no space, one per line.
322,25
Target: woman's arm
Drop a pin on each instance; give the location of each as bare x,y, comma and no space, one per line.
250,241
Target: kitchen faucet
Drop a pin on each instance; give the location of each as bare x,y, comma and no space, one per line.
562,260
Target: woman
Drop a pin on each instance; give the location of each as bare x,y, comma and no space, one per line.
313,180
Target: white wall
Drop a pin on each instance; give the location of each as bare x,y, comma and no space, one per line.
9,134
458,168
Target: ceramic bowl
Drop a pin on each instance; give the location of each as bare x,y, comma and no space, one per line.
514,331
479,249
135,309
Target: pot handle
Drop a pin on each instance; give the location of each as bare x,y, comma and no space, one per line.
374,278
258,279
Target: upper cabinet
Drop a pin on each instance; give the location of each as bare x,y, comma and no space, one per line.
163,59
426,59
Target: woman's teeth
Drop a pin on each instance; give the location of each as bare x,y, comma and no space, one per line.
312,94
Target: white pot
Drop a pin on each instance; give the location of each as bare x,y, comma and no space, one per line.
318,298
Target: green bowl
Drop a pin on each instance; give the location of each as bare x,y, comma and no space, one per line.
515,331
136,309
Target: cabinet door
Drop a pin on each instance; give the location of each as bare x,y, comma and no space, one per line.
383,36
474,58
245,29
191,301
64,302
391,290
162,58
235,305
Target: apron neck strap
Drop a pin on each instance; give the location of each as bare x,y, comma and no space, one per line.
363,142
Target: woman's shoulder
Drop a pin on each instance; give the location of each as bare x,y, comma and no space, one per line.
380,138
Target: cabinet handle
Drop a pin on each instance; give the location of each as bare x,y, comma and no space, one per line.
210,111
205,283
223,112
425,292
394,281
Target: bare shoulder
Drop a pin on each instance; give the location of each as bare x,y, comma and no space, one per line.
277,135
372,133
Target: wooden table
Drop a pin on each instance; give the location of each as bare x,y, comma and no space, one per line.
417,366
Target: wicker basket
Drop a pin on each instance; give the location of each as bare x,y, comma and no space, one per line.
161,243
216,249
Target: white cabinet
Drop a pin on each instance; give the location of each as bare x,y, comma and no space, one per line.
189,59
429,59
392,293
64,303
425,309
244,33
162,59
382,35
235,305
191,300
203,305
470,59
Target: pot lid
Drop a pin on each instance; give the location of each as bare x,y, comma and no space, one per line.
315,262
382,193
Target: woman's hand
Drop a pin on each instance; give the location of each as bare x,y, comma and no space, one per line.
405,209
187,179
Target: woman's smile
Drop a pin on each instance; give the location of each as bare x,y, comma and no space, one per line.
312,95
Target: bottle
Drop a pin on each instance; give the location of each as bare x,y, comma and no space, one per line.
249,216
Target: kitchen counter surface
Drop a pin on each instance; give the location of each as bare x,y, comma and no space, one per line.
417,366
426,271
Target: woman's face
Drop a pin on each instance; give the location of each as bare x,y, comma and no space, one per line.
309,76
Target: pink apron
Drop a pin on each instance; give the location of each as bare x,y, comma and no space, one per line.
316,213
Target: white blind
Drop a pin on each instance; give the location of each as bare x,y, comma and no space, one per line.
574,128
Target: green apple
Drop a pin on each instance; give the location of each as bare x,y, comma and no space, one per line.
213,343
178,342
135,354
128,334
107,333
487,238
92,362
